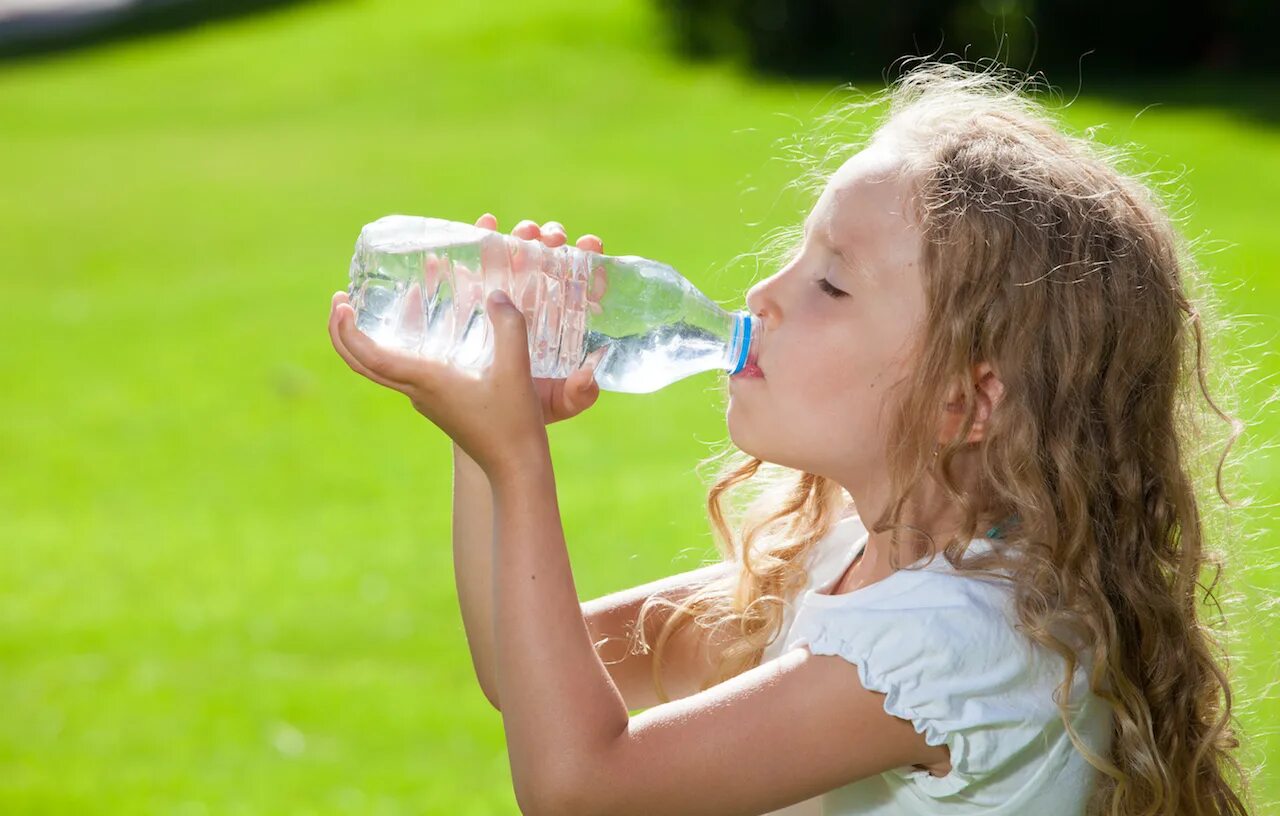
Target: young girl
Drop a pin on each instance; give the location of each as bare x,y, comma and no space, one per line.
968,583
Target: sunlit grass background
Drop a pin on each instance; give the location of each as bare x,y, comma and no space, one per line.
225,572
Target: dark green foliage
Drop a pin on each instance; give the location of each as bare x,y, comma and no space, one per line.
856,40
59,28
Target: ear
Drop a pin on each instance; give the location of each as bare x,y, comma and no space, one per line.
989,389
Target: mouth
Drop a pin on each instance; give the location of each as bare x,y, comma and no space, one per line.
749,371
753,369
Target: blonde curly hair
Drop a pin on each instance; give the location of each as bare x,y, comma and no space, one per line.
1068,275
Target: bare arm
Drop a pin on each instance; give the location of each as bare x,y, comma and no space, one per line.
473,564
687,656
473,496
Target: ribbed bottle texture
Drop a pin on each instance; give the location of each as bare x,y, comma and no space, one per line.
420,284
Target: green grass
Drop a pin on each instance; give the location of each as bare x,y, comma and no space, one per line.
225,572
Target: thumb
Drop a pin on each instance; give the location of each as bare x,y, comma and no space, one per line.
510,330
590,382
593,362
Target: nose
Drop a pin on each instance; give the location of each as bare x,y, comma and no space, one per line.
762,304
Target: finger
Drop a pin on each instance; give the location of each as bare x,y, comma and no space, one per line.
580,392
352,363
578,386
566,398
526,229
341,347
591,242
584,379
488,221
553,234
395,368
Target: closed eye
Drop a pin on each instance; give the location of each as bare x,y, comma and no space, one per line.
831,290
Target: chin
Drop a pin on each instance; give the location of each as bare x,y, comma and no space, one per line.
737,434
740,443
753,448
745,437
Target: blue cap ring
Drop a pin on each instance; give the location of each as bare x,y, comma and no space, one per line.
742,327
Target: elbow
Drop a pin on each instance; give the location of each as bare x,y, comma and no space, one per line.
540,800
567,791
559,801
488,690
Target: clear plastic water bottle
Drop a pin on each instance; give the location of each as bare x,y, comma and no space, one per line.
420,284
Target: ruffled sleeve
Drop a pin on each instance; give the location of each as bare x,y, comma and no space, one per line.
942,649
826,562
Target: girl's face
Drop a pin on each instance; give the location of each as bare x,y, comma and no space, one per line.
829,359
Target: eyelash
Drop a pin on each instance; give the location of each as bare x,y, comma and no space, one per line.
831,290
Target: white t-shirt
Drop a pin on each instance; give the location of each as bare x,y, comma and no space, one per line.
941,646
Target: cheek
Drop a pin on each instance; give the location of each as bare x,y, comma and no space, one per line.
842,393
826,393
836,367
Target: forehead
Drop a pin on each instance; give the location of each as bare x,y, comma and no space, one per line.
864,212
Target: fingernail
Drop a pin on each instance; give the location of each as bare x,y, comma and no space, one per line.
500,296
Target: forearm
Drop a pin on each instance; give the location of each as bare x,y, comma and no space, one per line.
473,564
559,702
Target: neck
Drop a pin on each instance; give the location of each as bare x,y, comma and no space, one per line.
928,510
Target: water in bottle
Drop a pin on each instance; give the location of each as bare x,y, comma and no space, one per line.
420,284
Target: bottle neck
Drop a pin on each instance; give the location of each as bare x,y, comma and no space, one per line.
744,347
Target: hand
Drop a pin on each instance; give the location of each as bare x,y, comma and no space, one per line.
492,414
562,398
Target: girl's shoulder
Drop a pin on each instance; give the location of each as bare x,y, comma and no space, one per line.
945,649
961,617
927,584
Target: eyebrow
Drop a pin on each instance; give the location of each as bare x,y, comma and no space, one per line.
851,264
831,242
809,227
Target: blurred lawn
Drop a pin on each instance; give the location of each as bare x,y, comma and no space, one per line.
225,572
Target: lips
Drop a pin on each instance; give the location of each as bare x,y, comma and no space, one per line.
752,367
748,371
